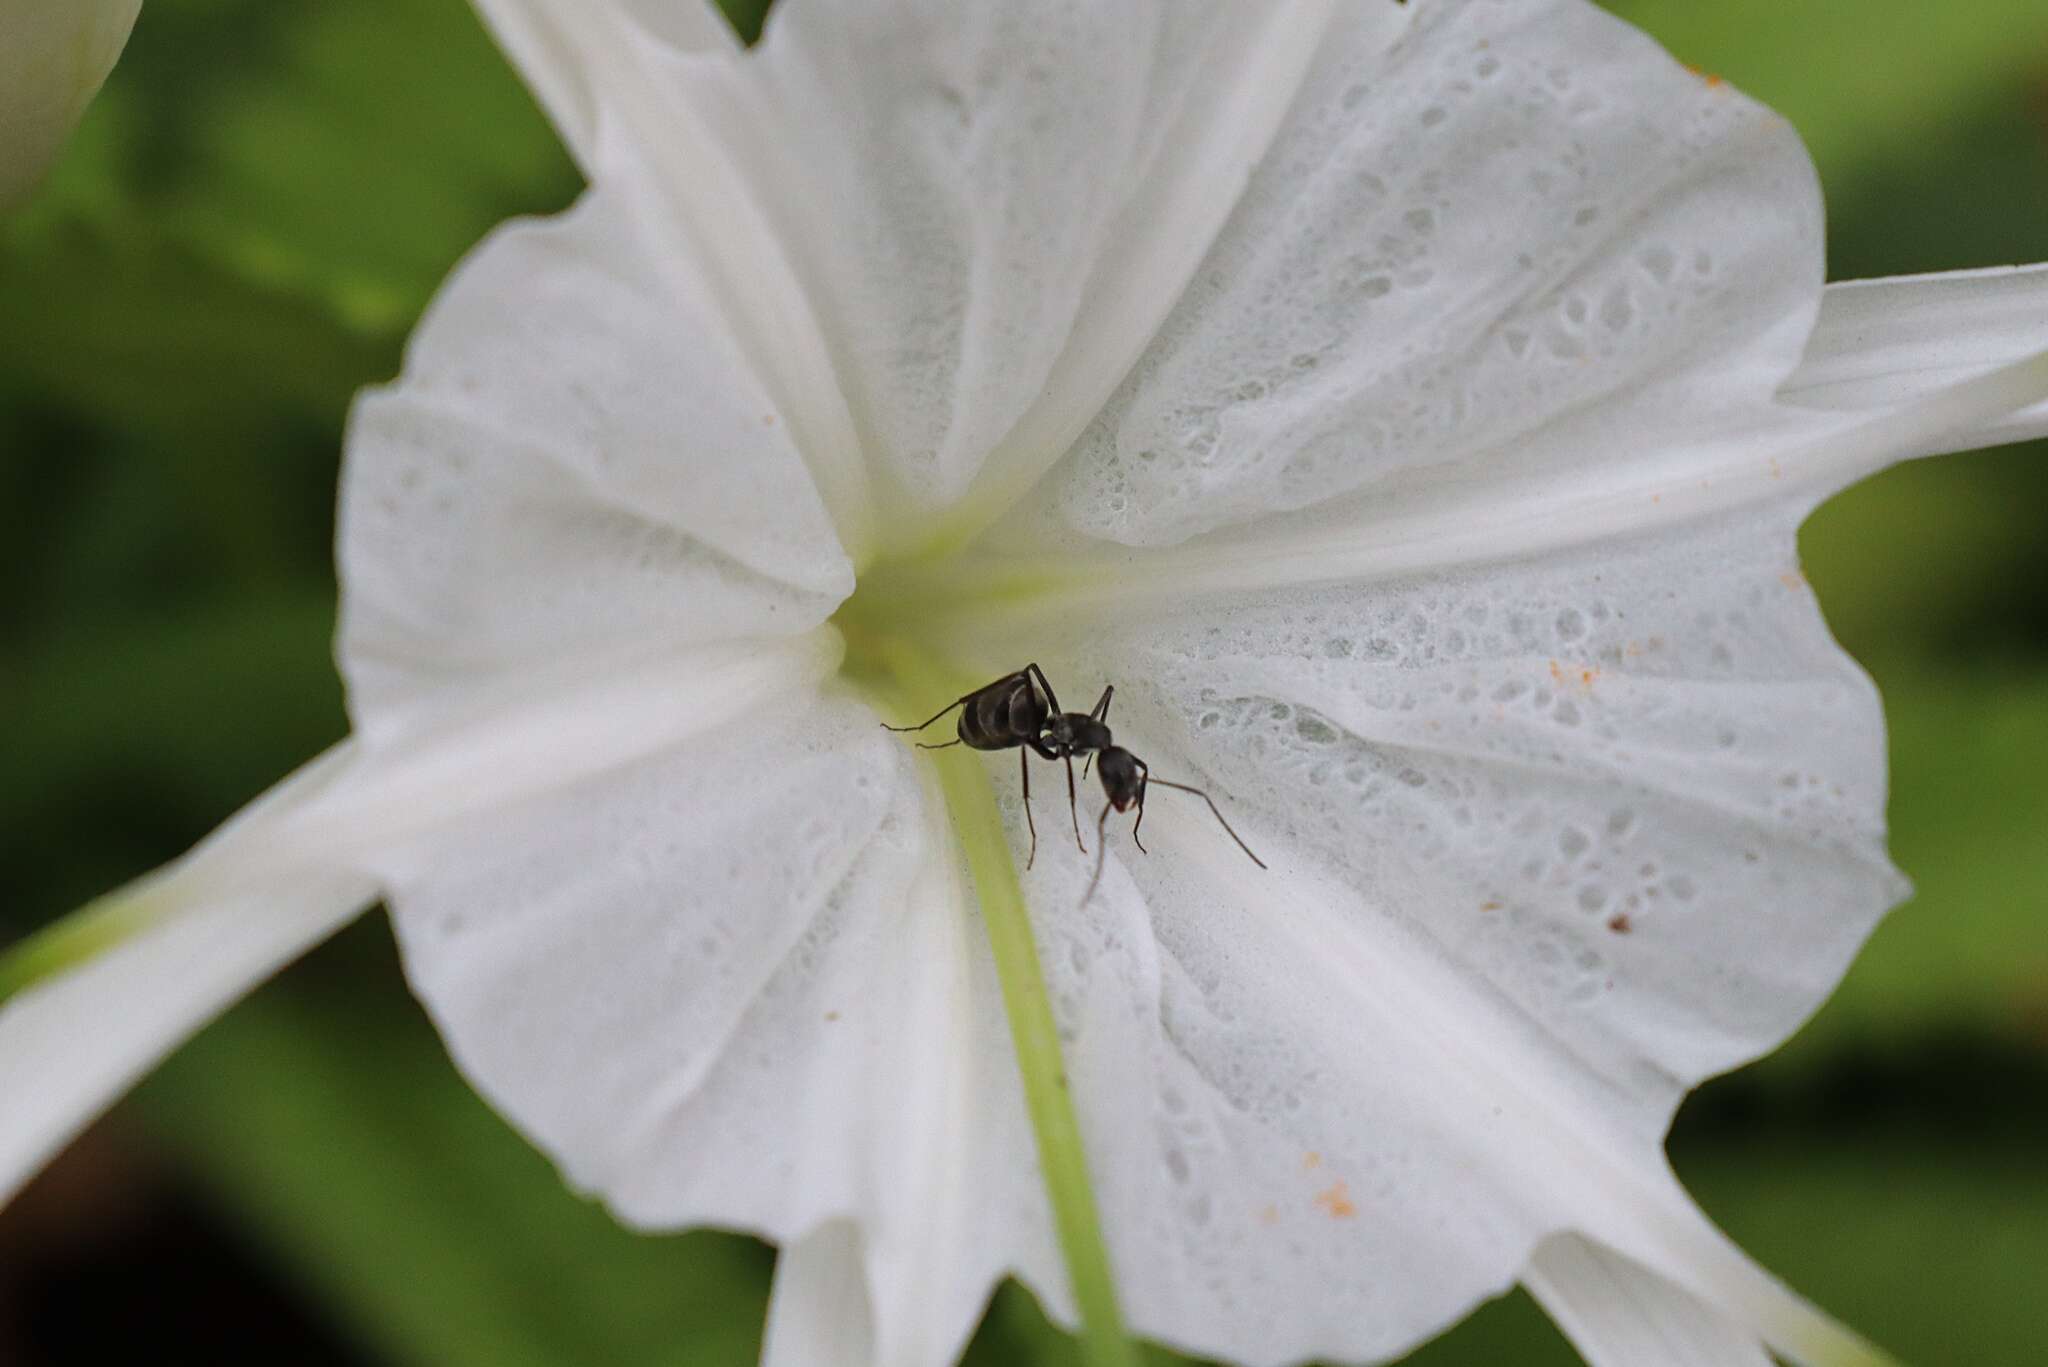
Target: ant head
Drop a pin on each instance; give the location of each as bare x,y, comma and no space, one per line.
1123,776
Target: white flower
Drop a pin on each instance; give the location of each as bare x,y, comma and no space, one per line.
1409,410
53,56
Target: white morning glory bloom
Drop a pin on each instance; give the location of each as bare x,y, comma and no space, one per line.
1409,409
53,56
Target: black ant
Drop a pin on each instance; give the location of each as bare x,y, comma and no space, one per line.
1021,710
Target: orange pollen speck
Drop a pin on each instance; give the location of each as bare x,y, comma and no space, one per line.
1311,1159
1337,1201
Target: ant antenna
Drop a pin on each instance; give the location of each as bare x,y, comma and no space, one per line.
1102,843
1168,783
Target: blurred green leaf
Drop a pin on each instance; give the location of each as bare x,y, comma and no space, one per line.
1939,560
746,17
1968,190
333,1122
351,150
1860,79
1932,575
1969,952
1931,1246
146,334
384,140
133,735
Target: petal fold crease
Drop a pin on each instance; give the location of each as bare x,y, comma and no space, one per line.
996,206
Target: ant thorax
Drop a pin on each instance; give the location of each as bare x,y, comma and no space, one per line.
1076,733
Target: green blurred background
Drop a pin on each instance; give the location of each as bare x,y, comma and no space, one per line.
240,236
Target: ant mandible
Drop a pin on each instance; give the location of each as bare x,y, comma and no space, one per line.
1021,711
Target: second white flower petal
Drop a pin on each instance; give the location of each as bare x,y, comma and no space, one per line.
55,55
1881,344
204,933
1619,1314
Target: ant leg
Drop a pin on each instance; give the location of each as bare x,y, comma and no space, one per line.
1073,804
934,717
1141,813
1101,713
1149,780
1024,764
1051,699
1101,853
926,745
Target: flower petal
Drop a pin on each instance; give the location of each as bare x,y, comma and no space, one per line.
990,211
995,207
628,83
1521,239
1329,1140
565,62
818,1313
1882,343
56,55
735,984
536,737
282,875
576,462
1549,842
1620,1314
1636,786
71,1044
